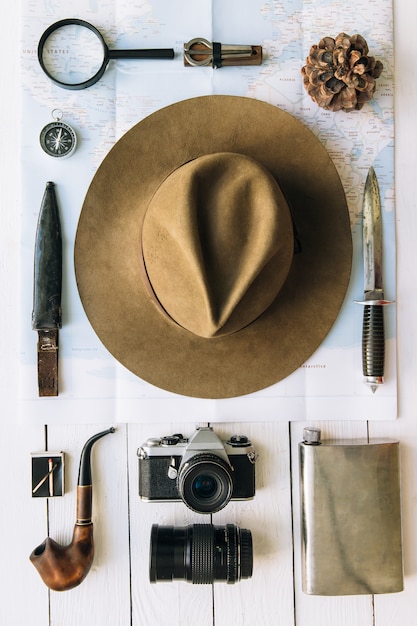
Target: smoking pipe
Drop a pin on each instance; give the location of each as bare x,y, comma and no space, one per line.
65,567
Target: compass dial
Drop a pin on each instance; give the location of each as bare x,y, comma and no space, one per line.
58,139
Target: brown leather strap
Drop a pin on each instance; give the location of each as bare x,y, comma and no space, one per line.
48,362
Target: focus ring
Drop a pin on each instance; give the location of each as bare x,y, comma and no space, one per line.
202,561
246,553
232,553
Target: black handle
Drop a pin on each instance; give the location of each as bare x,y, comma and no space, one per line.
373,340
84,472
155,53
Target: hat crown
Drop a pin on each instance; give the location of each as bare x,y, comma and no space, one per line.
217,243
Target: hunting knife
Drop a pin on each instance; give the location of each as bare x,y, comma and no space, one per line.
373,333
46,314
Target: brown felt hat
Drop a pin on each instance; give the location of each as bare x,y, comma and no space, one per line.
186,254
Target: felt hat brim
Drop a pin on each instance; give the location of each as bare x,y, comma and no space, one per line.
108,271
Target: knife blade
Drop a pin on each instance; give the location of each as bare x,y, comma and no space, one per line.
47,287
373,332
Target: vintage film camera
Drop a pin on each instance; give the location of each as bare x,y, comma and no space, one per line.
203,471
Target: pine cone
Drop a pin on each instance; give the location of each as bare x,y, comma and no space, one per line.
339,74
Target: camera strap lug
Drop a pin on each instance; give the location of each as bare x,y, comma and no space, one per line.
253,457
172,469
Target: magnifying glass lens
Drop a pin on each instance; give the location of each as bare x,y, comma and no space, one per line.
72,54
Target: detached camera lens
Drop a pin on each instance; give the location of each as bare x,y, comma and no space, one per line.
205,483
200,553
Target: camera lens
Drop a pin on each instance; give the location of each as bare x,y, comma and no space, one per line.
205,483
204,486
200,553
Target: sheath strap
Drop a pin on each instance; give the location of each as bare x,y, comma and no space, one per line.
217,54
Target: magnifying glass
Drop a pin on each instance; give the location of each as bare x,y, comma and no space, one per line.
74,55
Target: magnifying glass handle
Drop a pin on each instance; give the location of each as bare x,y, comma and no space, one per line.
156,53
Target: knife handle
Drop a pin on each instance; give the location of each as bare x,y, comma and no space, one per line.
373,342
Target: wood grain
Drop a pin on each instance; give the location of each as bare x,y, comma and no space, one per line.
268,516
163,603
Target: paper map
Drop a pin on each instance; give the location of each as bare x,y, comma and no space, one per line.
93,386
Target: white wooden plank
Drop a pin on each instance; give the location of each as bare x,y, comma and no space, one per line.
267,597
398,609
23,597
104,596
324,611
165,603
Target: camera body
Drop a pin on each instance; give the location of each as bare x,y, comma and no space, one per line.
203,471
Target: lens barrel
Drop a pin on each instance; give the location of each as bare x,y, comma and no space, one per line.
205,483
200,553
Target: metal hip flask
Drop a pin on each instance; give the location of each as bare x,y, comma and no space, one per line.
350,516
